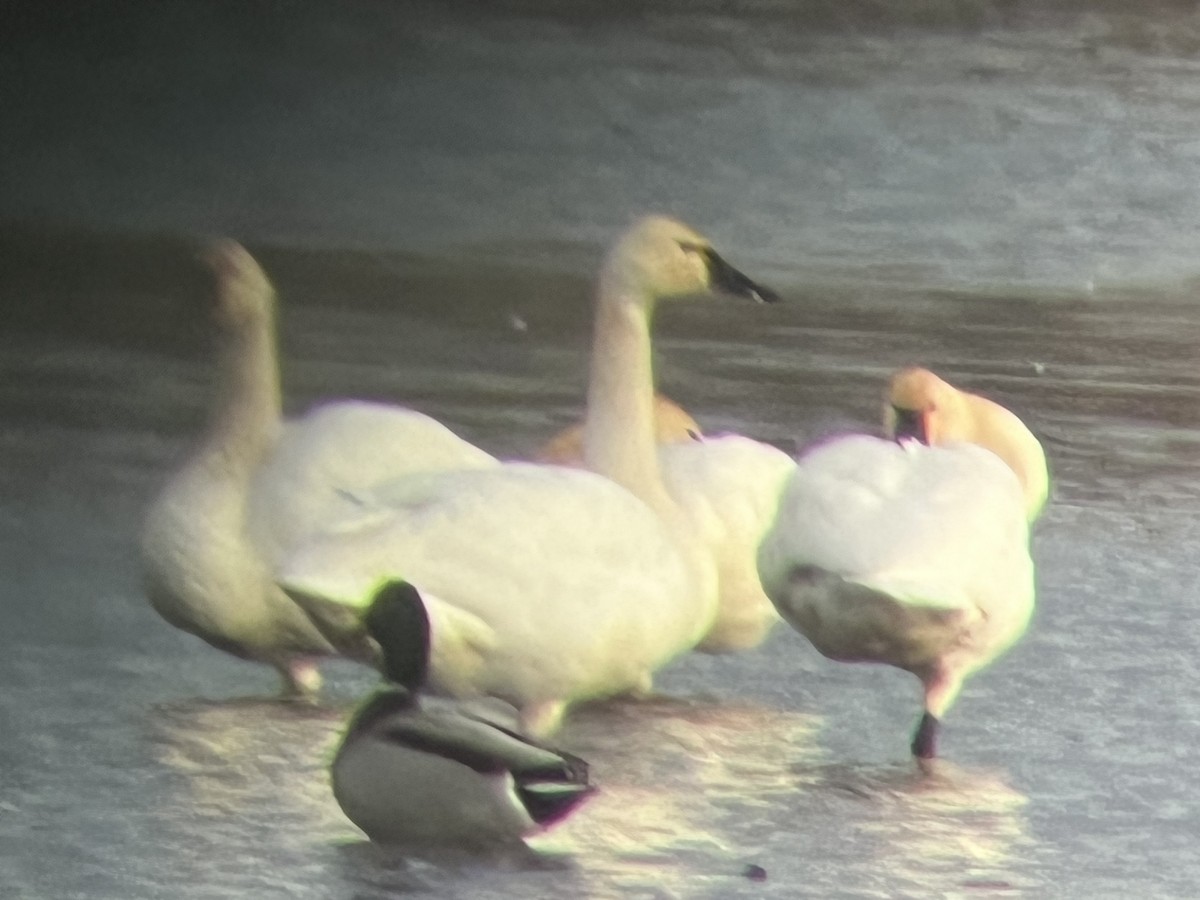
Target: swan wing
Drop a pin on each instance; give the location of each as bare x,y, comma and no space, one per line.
582,587
928,525
729,487
345,447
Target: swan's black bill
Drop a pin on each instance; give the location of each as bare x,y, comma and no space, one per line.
910,423
727,279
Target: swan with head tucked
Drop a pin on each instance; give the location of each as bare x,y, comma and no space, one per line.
202,570
548,585
919,404
412,771
898,552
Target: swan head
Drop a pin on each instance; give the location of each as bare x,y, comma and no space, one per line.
659,257
244,294
398,622
920,406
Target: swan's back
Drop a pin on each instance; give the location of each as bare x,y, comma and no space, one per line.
935,526
584,588
346,446
729,486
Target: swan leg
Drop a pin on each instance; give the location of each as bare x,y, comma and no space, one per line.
542,719
924,742
301,679
941,688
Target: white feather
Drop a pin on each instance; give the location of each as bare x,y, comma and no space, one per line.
909,555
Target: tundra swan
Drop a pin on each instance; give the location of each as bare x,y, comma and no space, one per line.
201,569
557,584
920,404
897,552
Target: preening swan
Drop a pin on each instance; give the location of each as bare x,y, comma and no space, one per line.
201,568
551,584
921,405
409,771
907,554
672,424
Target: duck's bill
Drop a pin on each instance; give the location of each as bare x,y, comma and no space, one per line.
726,279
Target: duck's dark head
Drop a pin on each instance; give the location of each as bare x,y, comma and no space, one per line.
398,622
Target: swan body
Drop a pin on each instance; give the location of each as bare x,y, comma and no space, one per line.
545,585
344,447
259,485
415,771
587,582
672,424
728,487
201,568
904,554
920,404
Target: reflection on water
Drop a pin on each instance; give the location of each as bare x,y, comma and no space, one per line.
683,787
934,831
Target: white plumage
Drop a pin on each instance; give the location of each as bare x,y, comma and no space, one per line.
586,583
545,585
904,554
257,485
728,488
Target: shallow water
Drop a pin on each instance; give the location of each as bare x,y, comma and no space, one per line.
1036,258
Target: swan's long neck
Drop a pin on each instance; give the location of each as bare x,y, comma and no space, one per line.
619,427
247,415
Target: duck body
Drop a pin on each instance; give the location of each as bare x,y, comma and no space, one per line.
903,554
415,771
410,770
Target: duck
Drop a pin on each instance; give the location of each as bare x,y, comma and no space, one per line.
907,552
549,585
921,405
416,771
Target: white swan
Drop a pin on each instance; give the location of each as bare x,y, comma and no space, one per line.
727,486
259,485
920,404
553,584
201,569
344,447
904,554
409,771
